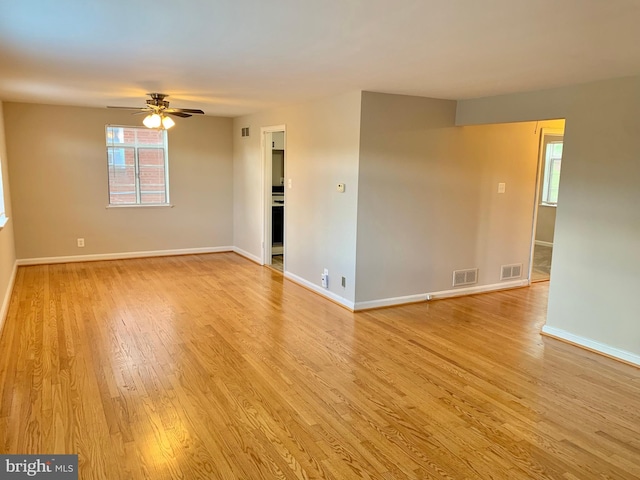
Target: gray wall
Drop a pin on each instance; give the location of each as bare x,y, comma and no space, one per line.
545,226
322,140
428,201
7,250
594,283
58,176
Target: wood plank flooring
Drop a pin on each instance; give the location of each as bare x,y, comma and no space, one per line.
211,367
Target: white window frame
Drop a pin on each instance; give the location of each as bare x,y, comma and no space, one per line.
136,146
548,138
3,213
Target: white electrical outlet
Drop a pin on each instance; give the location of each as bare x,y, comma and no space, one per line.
80,242
325,278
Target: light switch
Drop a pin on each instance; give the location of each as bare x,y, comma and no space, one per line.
289,183
502,187
341,187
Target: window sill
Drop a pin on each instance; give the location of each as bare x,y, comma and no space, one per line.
149,205
554,205
3,221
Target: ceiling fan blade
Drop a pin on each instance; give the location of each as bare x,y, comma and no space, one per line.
129,108
177,114
184,110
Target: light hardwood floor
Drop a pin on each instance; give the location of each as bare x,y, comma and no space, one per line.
209,366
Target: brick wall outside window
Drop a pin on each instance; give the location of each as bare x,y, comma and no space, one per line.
137,162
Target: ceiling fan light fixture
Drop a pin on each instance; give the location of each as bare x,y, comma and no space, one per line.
167,122
152,121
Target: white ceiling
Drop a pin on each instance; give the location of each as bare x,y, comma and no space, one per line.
232,57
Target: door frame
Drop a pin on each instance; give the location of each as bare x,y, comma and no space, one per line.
267,167
536,198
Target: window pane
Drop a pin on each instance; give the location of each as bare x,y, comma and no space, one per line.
122,184
122,175
120,157
554,181
148,136
152,175
115,135
556,150
152,198
553,161
1,192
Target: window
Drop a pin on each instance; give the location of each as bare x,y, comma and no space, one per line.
3,216
552,151
138,166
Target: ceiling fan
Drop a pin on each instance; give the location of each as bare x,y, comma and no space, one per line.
157,111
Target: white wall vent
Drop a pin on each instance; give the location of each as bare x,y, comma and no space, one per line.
245,131
510,272
465,277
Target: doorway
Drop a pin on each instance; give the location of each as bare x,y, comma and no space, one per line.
549,167
273,150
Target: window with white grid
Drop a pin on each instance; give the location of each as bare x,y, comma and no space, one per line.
138,166
552,164
3,213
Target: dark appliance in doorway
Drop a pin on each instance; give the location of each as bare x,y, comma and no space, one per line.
277,215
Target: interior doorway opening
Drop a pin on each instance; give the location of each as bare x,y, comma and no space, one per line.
273,150
547,189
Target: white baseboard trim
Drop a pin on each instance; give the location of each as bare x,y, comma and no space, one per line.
248,255
120,255
543,243
479,289
423,297
319,290
597,347
7,296
389,302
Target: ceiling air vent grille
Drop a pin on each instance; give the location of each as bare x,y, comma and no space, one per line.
511,271
465,277
245,131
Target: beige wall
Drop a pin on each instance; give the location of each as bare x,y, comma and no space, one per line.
322,139
7,250
59,184
428,201
593,296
